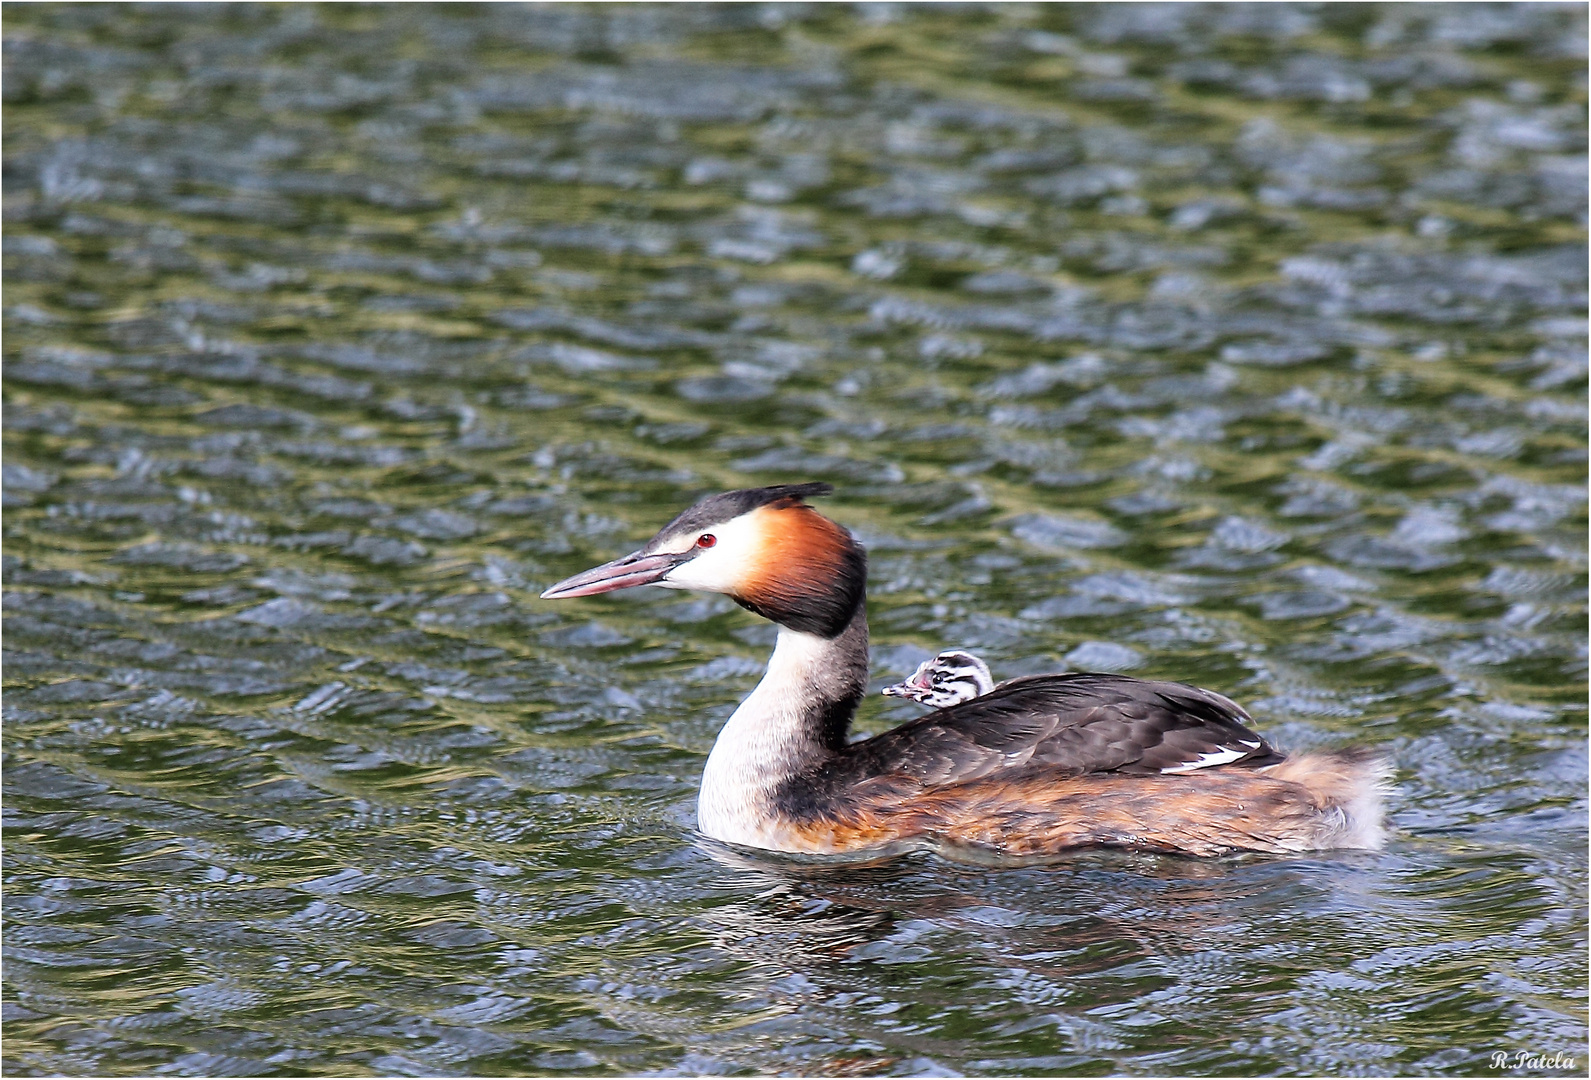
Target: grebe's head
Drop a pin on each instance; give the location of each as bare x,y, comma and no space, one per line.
948,679
764,548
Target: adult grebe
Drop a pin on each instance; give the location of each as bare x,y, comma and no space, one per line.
1037,766
952,677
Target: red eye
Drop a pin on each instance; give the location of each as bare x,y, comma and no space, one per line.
706,540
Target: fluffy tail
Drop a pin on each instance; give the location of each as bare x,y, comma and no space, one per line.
1349,788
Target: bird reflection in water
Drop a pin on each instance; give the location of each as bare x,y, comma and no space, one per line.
1060,920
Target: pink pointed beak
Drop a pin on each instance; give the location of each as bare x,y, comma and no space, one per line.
634,569
918,680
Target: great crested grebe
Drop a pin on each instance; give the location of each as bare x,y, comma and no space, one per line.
952,677
1039,765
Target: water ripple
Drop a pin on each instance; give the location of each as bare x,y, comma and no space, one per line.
1237,344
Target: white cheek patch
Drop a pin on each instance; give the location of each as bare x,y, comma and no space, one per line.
721,568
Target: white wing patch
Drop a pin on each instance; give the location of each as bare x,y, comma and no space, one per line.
1214,757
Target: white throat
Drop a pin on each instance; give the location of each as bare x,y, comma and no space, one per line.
776,733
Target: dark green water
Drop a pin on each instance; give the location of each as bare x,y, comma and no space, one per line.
1243,346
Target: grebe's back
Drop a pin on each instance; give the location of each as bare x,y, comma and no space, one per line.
1047,763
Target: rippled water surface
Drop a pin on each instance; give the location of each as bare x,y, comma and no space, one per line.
1243,346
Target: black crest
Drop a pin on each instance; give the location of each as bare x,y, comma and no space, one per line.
717,509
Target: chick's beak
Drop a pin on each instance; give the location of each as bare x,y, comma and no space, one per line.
636,568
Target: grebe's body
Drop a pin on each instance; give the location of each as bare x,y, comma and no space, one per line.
1039,765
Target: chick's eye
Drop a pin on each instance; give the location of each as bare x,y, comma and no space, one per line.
706,540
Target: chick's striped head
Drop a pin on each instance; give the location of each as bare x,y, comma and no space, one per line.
948,679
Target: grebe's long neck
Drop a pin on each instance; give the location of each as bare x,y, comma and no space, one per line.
797,717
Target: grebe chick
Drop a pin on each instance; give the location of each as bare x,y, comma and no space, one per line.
950,678
1039,765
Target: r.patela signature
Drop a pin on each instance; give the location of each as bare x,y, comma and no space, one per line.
1525,1059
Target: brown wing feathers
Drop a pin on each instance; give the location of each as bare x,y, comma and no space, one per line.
1059,725
1089,723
